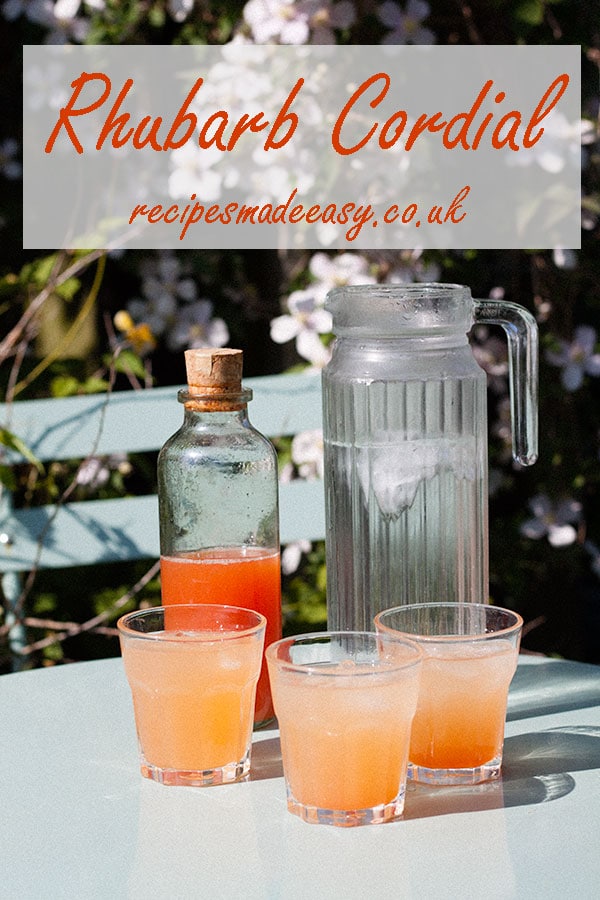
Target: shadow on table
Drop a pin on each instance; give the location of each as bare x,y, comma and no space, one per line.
535,769
536,765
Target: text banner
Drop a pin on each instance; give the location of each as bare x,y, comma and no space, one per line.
246,146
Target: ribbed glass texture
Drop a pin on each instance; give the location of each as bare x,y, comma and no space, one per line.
405,433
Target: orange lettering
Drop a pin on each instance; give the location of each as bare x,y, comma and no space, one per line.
67,112
337,128
155,214
246,123
212,214
140,210
456,205
497,142
171,214
384,143
183,116
422,124
539,113
138,142
204,140
462,135
116,122
282,116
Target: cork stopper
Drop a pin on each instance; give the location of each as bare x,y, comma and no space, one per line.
214,379
214,370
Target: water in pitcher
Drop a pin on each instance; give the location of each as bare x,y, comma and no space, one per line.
410,510
405,438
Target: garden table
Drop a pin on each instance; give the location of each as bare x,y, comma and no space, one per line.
78,820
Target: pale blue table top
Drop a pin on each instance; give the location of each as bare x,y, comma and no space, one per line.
78,821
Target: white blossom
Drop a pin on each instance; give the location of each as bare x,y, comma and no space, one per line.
307,318
594,552
406,24
297,21
552,520
413,268
307,453
164,275
9,166
282,21
60,17
492,355
170,306
337,271
40,12
576,358
192,173
179,10
94,472
292,554
329,16
195,326
305,321
46,87
564,258
559,145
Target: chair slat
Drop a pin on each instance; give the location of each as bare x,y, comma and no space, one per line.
102,531
138,421
98,531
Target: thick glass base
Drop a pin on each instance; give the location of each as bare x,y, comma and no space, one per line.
487,772
197,778
347,818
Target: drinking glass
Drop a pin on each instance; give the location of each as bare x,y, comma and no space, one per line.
344,702
470,656
192,670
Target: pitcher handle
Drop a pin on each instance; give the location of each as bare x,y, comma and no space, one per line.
522,333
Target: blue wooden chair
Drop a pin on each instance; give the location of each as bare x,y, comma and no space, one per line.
101,531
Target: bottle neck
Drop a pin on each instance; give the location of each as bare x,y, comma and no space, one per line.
214,418
215,401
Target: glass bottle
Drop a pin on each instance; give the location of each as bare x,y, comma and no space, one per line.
405,440
218,502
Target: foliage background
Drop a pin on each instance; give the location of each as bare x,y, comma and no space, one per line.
128,330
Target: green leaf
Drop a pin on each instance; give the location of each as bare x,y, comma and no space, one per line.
64,386
322,578
54,652
8,478
94,385
531,12
38,271
68,288
156,16
45,604
13,442
128,362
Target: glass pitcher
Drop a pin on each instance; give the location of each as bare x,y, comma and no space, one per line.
405,442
